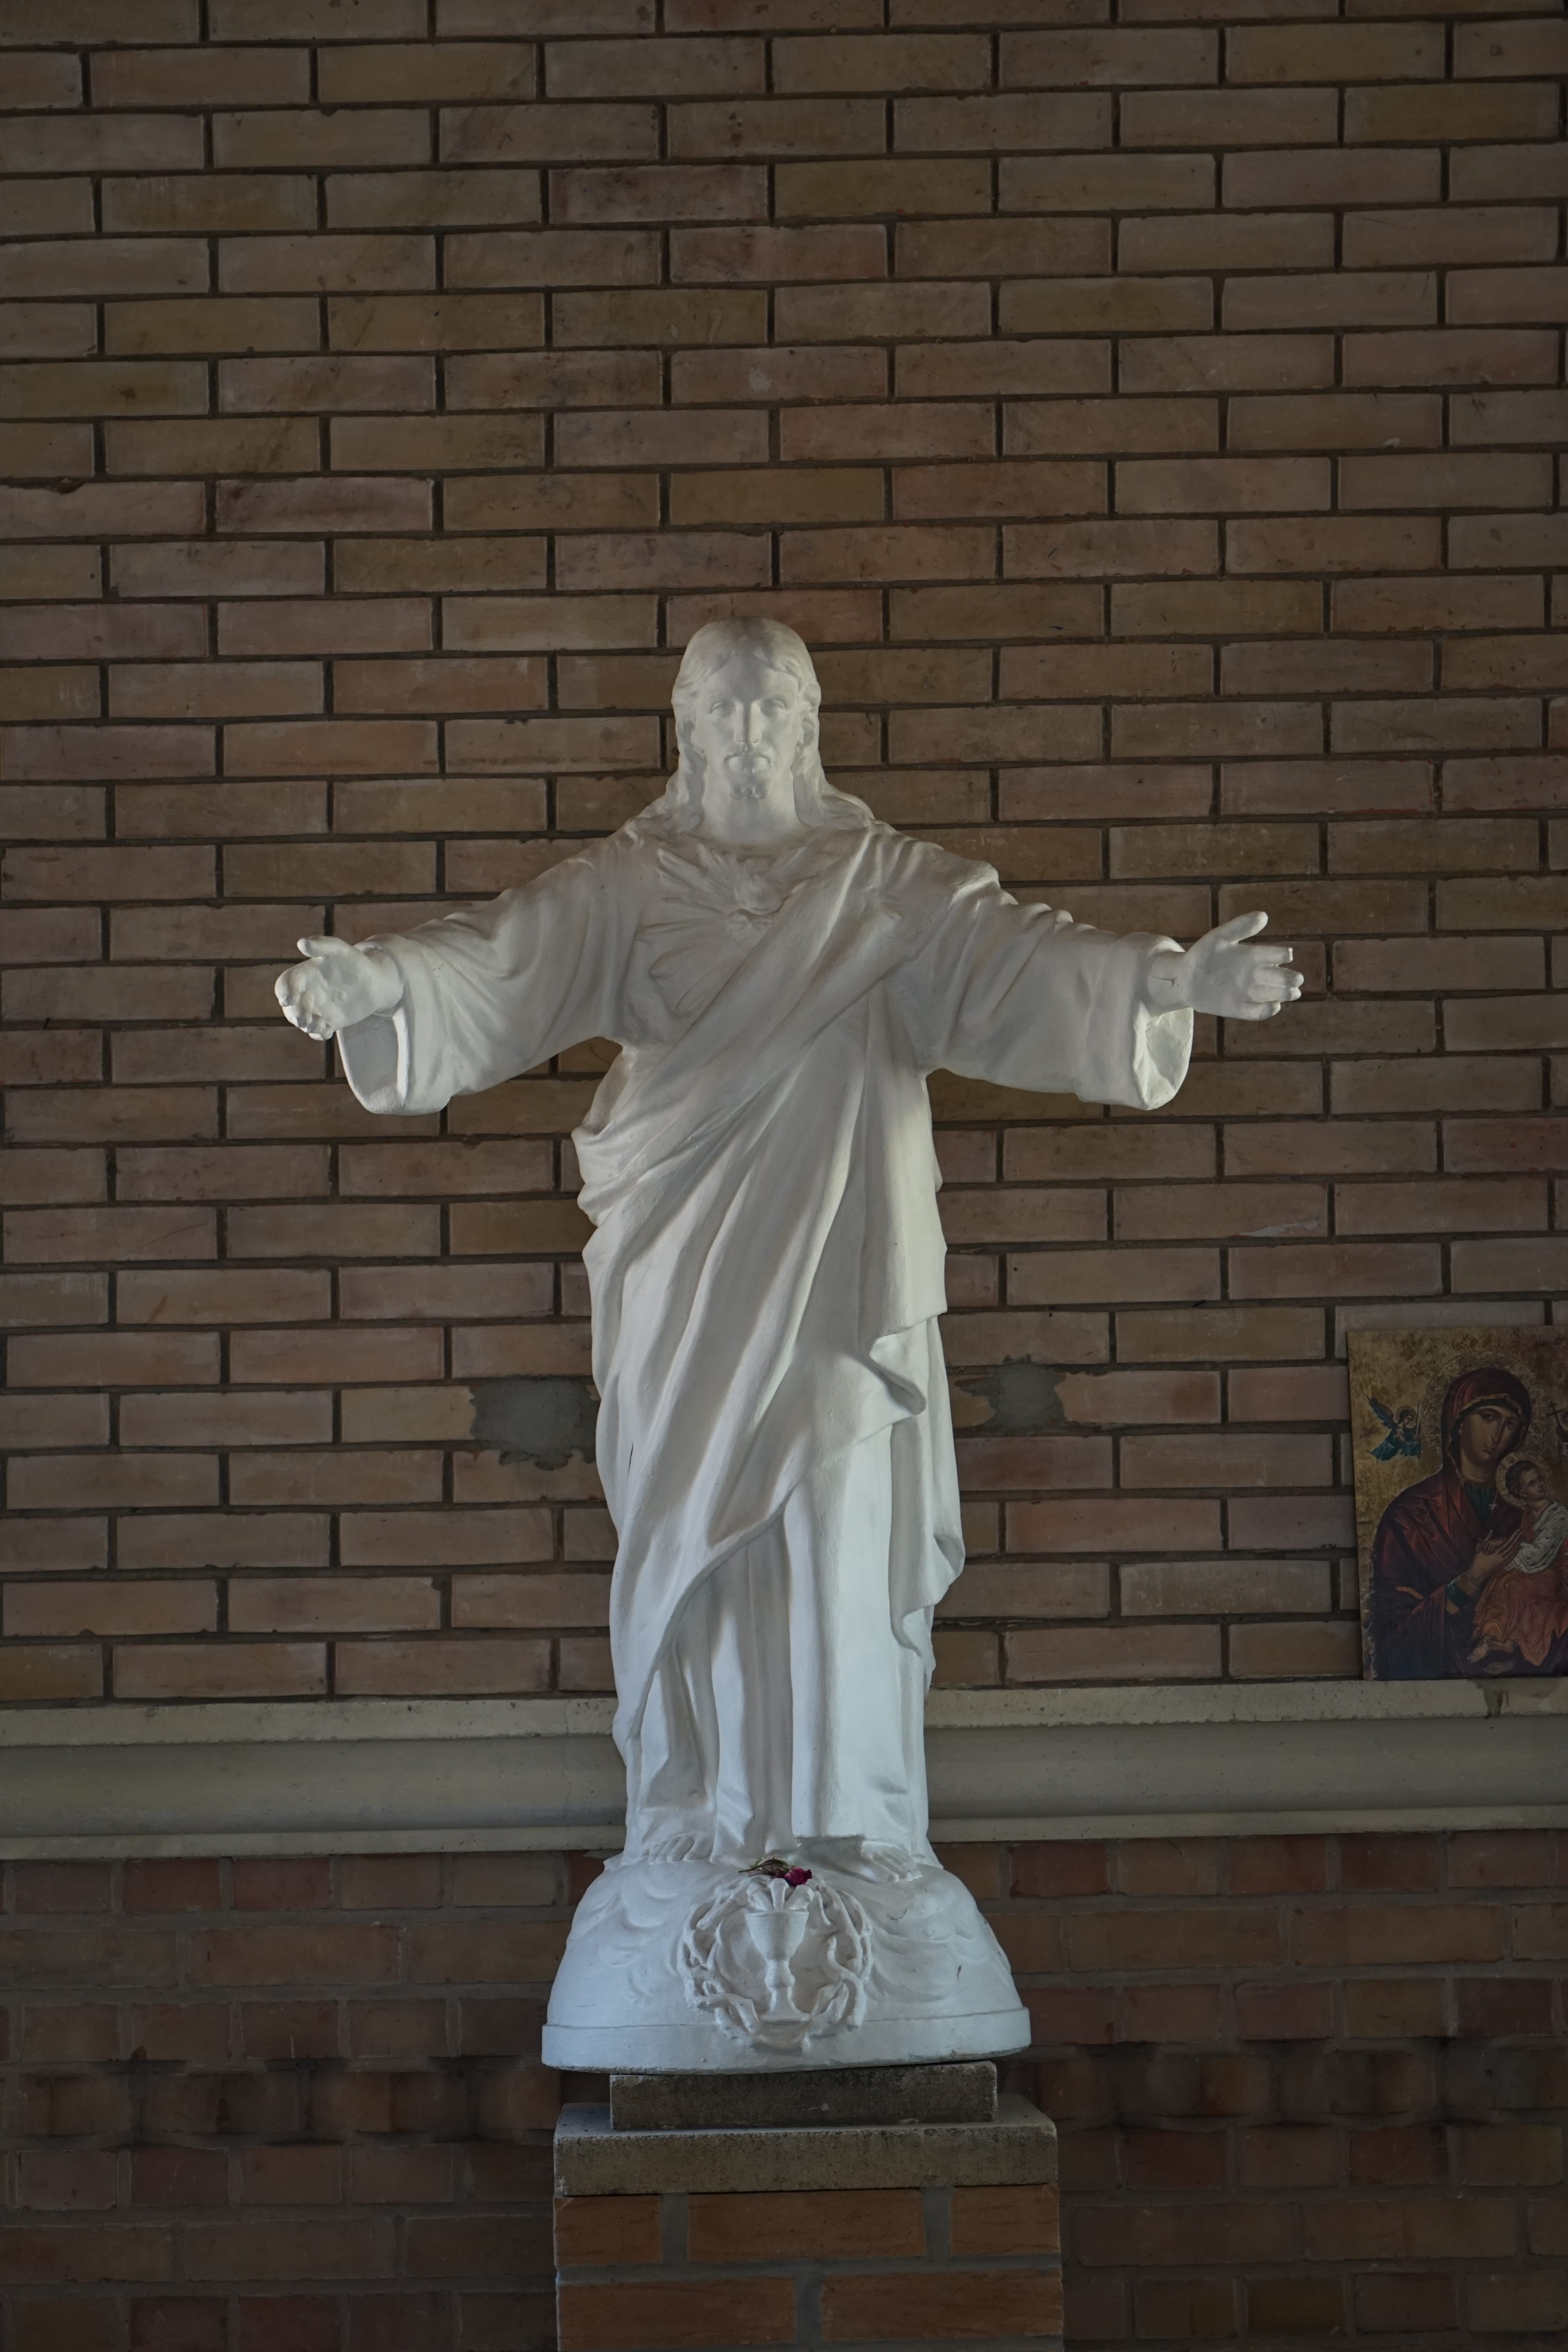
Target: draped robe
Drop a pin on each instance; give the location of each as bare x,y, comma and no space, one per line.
766,1268
1424,1628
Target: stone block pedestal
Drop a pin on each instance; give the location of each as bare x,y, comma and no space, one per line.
718,2231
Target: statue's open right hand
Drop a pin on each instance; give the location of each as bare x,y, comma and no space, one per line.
337,985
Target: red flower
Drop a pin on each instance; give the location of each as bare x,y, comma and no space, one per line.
775,1866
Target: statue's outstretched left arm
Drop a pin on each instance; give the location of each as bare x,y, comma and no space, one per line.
1028,998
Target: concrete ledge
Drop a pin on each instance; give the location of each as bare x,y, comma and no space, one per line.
395,1775
593,2159
957,2091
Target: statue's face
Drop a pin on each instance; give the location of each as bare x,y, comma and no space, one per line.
746,729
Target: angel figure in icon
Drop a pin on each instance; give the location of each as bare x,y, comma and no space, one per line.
1403,1432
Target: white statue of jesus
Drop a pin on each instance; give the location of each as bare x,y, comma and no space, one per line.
781,972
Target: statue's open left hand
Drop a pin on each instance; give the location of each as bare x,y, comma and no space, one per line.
336,986
1224,974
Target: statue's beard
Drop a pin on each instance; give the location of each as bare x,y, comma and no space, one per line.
749,778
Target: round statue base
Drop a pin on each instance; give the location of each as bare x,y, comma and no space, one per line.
701,1967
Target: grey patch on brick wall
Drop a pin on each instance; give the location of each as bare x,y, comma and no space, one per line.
1014,1399
543,1420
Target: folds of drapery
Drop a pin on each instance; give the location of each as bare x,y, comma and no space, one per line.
1423,1627
766,1270
767,1257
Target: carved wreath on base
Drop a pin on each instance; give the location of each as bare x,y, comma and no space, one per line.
778,1957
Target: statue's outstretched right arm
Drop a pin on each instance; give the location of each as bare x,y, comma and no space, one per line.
472,999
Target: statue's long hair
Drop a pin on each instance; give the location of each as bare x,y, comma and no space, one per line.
817,803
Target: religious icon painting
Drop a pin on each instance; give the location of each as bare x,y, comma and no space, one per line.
1461,1443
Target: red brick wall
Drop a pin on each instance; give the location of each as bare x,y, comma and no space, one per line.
633,2270
1307,2089
1151,423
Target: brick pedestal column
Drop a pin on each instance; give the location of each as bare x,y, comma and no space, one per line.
807,2236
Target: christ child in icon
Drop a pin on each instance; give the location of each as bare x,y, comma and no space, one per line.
1522,1609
